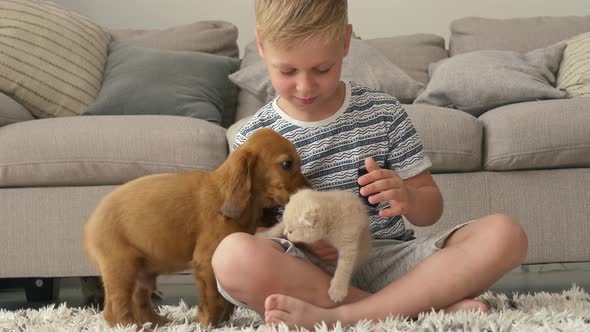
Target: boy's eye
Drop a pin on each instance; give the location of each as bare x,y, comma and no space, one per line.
323,71
288,72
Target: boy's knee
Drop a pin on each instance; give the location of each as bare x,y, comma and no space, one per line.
239,264
230,254
509,237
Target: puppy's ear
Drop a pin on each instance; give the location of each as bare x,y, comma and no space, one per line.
239,188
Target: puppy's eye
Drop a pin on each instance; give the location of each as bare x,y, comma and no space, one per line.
287,164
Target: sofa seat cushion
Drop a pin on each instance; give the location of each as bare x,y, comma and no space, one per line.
538,135
106,150
452,139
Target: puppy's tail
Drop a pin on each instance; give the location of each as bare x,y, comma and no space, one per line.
91,233
86,240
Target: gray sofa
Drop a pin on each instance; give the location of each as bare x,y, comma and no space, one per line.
529,159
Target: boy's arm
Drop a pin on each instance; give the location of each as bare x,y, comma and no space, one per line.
417,198
425,203
421,200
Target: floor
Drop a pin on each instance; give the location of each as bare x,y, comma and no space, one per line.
530,278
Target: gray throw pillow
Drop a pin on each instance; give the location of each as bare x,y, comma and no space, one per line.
149,81
477,81
214,37
12,112
364,64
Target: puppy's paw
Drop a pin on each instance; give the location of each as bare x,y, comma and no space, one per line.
202,318
337,291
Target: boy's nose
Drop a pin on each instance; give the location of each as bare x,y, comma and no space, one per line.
305,85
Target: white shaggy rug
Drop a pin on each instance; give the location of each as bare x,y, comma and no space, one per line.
566,311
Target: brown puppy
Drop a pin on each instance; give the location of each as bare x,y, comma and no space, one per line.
166,223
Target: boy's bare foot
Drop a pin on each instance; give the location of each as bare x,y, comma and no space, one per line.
296,313
467,305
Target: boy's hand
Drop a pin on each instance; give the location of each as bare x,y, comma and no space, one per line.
324,250
384,185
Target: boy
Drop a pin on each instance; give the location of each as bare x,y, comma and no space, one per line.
338,128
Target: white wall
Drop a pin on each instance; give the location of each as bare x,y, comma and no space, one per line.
371,18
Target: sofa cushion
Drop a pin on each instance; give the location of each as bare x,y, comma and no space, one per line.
12,112
551,206
106,150
537,135
141,80
452,139
477,81
515,34
247,105
52,59
412,53
215,37
574,71
363,64
232,131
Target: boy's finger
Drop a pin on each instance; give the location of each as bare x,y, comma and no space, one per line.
371,164
391,211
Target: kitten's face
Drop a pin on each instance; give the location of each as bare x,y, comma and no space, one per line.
301,218
303,231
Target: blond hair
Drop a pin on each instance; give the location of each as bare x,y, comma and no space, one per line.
285,23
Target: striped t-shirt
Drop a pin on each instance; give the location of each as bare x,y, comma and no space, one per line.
369,124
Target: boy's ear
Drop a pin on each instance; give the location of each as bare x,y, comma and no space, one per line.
259,44
347,40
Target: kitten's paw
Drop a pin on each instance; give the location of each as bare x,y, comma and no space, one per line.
337,291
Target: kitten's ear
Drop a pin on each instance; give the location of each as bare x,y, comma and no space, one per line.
309,216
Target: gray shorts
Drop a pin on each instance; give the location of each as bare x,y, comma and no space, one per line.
387,261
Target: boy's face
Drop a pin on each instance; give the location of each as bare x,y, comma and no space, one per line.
307,76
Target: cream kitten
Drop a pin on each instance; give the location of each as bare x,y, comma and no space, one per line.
340,218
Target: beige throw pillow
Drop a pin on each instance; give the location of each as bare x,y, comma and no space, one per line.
574,71
52,59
